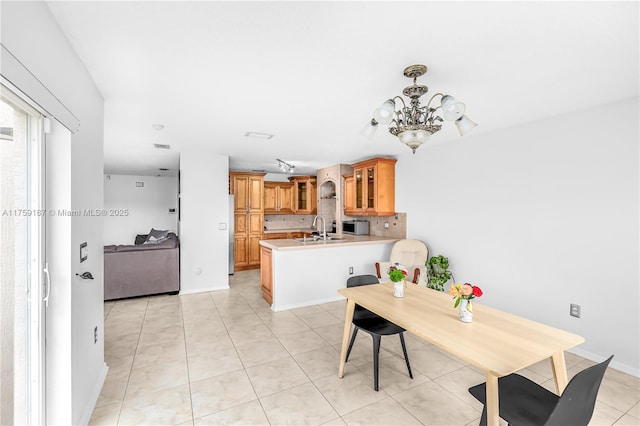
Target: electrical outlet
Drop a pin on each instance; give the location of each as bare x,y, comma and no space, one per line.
95,335
350,270
386,225
574,310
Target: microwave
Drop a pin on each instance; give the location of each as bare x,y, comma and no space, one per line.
355,227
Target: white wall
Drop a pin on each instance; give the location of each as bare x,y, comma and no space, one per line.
540,216
204,208
30,33
133,210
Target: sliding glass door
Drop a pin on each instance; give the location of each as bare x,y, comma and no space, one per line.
23,285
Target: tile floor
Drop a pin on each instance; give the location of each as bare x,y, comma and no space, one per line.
225,358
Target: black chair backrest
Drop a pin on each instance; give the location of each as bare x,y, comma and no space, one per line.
357,281
575,406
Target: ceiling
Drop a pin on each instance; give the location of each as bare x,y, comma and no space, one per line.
311,73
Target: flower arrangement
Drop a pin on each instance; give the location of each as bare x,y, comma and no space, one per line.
464,291
397,273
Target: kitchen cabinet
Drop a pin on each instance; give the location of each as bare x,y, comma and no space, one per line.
304,194
285,235
248,216
370,190
276,236
278,198
349,194
266,274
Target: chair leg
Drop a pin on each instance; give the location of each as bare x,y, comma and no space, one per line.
406,357
483,418
376,356
353,339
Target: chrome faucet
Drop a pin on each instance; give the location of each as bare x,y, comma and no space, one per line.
324,226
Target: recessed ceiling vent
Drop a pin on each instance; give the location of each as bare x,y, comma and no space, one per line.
161,146
258,135
162,169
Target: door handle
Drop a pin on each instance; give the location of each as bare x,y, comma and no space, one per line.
45,299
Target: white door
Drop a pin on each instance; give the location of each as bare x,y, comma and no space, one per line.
23,287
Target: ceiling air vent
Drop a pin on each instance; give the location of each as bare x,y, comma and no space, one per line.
161,146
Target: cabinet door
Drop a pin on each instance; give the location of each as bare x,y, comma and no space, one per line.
254,250
255,195
370,174
240,252
240,224
266,274
285,198
349,194
359,188
256,221
302,191
304,195
271,198
241,193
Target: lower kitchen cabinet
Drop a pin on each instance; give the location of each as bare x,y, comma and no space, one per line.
266,274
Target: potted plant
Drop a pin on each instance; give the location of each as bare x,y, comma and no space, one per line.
437,272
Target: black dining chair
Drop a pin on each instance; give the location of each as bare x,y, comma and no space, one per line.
375,325
523,402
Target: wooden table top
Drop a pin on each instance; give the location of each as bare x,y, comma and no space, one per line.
496,341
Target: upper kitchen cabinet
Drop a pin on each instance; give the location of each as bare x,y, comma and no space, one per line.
371,189
248,215
304,194
278,198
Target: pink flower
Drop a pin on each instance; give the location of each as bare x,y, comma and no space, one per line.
466,290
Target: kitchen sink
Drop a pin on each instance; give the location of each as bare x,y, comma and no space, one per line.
318,240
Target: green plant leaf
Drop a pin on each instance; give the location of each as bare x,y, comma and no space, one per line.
457,303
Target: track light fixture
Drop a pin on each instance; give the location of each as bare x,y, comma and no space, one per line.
284,166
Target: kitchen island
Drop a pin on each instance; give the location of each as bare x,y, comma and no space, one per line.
303,272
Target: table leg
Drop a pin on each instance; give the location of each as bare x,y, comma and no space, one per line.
493,404
348,319
559,371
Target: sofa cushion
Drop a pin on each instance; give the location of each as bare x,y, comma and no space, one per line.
110,249
170,242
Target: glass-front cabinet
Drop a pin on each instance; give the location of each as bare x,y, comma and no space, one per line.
304,194
370,190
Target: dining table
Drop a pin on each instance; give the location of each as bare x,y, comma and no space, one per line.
497,342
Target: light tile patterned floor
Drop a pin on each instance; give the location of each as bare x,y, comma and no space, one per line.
225,358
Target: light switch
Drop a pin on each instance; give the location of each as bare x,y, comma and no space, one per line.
222,226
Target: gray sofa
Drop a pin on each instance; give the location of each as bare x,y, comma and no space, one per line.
142,269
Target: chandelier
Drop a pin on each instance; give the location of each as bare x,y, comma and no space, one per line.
414,124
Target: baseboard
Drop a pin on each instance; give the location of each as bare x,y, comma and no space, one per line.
614,364
305,304
202,290
95,394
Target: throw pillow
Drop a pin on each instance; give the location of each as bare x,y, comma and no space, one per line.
158,233
140,239
153,240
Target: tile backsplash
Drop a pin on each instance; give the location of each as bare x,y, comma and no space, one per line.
397,227
289,221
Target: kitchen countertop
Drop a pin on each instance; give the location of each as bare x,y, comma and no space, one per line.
345,240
